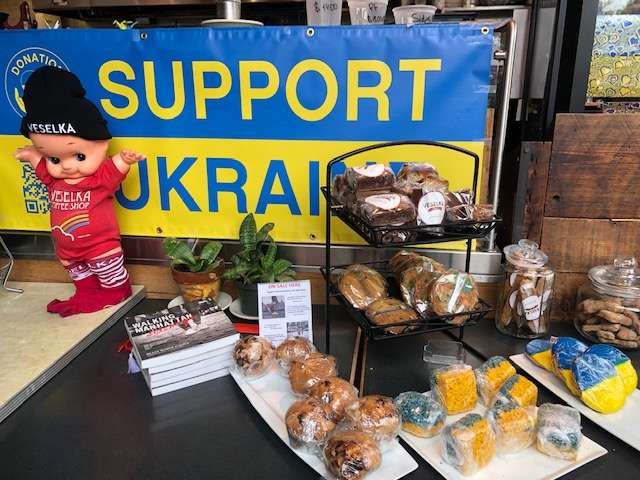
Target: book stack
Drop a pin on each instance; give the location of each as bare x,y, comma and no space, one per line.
182,346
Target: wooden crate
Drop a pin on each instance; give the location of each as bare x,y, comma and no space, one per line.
582,204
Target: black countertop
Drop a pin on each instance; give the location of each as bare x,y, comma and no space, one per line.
94,421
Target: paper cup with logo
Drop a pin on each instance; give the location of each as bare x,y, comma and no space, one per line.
367,12
324,12
414,14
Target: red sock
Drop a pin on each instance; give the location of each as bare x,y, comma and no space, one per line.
85,282
114,286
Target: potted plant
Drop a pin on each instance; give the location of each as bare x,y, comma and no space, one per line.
256,262
198,276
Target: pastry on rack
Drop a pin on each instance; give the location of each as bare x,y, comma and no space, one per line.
514,427
417,281
337,394
309,423
601,387
491,375
409,189
305,372
361,286
253,356
455,388
468,444
417,172
377,415
519,390
390,209
422,415
293,347
351,455
559,431
390,310
370,177
454,292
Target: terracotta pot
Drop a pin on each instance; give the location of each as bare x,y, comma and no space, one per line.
248,298
194,286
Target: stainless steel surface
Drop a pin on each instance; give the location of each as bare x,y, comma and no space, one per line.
228,9
503,119
542,52
149,250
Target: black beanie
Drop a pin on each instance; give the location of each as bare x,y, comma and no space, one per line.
55,104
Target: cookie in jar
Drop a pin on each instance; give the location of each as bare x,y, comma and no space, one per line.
525,299
608,305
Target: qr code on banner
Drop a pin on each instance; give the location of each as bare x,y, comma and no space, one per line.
36,196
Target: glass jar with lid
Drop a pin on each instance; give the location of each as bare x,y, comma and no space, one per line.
525,300
608,306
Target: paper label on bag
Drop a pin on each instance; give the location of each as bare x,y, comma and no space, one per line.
531,307
384,202
431,208
370,170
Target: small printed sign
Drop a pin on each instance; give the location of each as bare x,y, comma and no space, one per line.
284,310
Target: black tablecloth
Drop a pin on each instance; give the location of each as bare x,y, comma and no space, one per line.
94,421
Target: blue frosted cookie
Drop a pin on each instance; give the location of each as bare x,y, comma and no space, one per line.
621,362
422,416
565,350
539,351
600,386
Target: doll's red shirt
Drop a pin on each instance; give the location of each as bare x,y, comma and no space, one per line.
83,218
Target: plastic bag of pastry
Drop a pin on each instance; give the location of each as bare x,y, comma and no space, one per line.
337,394
253,356
621,362
482,212
309,423
539,351
305,372
491,375
370,177
455,388
417,172
519,390
409,189
376,415
351,455
361,286
339,188
403,260
601,388
390,209
416,284
514,427
391,310
454,292
459,213
564,351
468,444
421,414
292,347
459,197
559,431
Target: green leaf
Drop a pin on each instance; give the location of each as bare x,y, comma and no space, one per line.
178,251
280,266
248,233
263,233
211,251
235,272
200,265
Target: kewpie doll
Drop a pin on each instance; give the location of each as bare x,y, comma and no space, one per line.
69,154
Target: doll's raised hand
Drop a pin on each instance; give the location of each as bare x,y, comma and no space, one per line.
125,159
28,153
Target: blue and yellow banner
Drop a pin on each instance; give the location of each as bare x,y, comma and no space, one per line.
245,119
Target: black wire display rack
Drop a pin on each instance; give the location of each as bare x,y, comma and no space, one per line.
392,236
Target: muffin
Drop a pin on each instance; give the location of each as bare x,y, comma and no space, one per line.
337,394
305,372
293,347
422,416
377,415
351,455
308,423
253,356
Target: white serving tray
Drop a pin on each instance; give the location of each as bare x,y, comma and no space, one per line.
622,424
271,397
529,464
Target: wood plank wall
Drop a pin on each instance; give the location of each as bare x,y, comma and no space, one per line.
583,206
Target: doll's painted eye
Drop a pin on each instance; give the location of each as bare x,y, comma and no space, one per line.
54,160
80,156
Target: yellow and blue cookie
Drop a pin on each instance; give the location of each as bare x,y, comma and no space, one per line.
621,362
421,414
601,388
539,351
564,351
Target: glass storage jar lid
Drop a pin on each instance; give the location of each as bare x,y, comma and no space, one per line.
622,279
525,254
